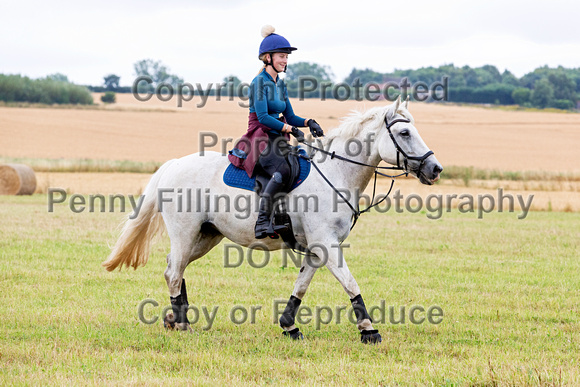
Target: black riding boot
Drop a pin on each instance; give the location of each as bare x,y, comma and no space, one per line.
272,192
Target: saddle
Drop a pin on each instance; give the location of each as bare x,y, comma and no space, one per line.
300,169
280,222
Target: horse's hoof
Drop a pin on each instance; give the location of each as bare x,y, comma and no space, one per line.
169,322
294,334
170,325
370,337
184,327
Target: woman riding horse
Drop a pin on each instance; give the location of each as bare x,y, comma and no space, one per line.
265,145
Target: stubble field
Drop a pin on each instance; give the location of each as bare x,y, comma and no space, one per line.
508,288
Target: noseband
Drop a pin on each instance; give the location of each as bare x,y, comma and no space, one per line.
400,150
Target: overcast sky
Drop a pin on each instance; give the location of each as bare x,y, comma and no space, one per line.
204,41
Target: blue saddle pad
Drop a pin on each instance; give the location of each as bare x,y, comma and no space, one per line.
237,177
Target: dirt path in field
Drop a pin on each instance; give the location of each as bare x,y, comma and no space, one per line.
158,131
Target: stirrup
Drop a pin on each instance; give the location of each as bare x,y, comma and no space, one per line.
274,230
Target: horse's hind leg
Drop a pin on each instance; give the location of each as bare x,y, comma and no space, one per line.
184,250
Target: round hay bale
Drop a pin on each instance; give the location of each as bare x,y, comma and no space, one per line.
17,179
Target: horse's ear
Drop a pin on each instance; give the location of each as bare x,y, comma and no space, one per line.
406,103
397,103
394,107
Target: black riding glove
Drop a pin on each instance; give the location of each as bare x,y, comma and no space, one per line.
298,134
315,129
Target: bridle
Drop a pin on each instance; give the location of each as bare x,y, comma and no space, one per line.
356,212
400,150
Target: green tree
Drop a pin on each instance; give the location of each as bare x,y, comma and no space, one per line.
112,82
321,73
430,75
230,85
564,104
58,77
109,97
314,71
470,76
492,74
529,80
521,95
232,79
507,78
564,87
543,94
157,71
366,76
49,90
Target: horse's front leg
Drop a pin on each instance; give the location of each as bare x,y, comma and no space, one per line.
287,319
337,265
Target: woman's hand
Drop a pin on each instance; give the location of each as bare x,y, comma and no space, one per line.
315,129
287,129
298,134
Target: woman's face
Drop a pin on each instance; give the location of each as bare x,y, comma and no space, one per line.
279,60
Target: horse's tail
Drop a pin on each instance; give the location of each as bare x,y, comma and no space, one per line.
132,247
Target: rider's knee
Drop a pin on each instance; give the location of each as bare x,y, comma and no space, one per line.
278,177
285,173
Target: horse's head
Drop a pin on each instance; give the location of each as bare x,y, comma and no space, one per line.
400,144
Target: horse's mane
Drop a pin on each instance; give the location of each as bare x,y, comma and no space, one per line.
355,123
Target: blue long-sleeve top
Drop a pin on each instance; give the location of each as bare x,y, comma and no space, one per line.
268,99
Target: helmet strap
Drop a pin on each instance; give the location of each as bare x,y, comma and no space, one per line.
271,63
273,68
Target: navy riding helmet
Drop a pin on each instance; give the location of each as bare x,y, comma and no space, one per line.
273,42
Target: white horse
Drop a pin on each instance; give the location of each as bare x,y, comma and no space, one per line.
194,230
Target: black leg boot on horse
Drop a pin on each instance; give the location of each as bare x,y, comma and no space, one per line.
180,305
275,190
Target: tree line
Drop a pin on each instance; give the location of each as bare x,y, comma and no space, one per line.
53,89
544,87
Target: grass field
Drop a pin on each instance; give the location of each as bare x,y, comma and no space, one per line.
509,290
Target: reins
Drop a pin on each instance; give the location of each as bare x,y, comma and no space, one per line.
356,212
